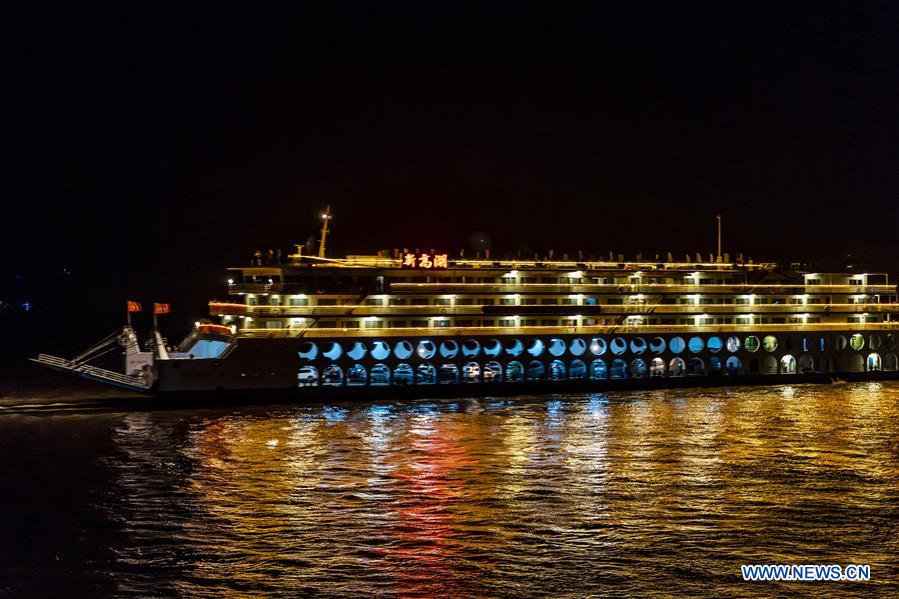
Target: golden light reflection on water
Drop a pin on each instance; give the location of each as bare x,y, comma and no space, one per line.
549,494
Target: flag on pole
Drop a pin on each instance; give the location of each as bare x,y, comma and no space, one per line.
134,306
162,308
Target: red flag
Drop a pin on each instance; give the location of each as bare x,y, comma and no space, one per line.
162,308
134,306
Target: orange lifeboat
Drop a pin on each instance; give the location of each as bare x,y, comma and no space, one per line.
217,329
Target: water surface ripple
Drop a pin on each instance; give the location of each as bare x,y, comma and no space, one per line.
643,493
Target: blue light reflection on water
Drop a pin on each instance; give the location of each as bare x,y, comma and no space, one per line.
601,494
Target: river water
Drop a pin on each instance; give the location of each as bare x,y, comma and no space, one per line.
662,493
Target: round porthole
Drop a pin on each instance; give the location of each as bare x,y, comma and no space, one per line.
449,349
426,349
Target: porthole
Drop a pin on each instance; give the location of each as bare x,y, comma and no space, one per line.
714,345
857,341
657,345
402,350
769,343
426,349
695,344
733,344
597,346
638,345
556,347
357,352
308,351
677,345
535,348
874,341
577,347
379,351
449,349
470,348
752,344
332,351
514,347
618,346
493,348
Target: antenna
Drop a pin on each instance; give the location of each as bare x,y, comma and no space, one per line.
326,216
718,218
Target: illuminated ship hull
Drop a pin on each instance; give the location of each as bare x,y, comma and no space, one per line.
425,326
501,365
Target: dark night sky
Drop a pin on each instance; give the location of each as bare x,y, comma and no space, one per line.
148,148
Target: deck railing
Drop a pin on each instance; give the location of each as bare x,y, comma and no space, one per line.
222,308
817,328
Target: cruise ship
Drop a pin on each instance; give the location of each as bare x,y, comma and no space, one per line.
426,323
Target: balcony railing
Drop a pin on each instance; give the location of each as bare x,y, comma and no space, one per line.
224,308
649,288
817,328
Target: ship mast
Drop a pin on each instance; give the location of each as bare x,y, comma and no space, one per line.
326,216
719,238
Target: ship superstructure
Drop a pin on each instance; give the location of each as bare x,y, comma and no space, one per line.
408,319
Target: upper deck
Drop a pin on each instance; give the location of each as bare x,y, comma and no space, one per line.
421,292
377,274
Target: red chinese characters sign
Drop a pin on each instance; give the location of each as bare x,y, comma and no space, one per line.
425,260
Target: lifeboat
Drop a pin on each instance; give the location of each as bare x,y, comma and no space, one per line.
216,329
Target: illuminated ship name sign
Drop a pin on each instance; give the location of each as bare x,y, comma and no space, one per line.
427,261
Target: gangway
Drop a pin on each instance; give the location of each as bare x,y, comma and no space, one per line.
132,383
